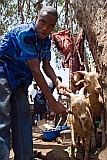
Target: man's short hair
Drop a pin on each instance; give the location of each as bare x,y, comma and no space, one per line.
60,78
49,9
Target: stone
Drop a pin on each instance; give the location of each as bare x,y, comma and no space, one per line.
57,154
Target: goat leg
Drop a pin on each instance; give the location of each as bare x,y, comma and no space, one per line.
87,147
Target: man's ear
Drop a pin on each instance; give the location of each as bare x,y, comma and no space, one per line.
36,18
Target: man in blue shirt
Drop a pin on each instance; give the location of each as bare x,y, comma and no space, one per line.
40,102
21,52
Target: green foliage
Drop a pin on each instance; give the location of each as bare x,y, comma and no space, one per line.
61,2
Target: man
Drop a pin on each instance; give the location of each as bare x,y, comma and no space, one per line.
33,92
40,103
21,51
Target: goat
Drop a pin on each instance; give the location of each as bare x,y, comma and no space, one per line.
94,98
80,120
74,79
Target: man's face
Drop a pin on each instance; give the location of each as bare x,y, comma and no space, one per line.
35,86
45,24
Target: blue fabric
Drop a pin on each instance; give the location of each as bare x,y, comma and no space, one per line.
3,68
15,110
4,152
40,98
21,124
18,46
5,109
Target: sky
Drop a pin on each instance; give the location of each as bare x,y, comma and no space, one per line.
64,73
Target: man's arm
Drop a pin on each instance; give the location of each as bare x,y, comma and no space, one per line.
39,78
63,89
31,98
49,71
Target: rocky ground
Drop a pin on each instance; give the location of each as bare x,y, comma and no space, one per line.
41,144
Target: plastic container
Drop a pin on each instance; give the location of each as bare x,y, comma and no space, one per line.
53,134
61,128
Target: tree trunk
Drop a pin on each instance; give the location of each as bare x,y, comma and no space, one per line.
92,16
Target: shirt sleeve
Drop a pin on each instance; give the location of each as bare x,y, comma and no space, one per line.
26,42
47,48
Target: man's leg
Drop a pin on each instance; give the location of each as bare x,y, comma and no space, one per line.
21,125
5,109
4,152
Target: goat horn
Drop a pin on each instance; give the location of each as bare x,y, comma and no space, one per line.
81,81
82,72
81,92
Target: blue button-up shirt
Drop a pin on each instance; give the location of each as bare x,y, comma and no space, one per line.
18,46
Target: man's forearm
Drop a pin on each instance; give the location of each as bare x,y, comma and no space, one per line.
51,74
38,76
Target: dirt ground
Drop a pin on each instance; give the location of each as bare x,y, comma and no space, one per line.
44,146
39,143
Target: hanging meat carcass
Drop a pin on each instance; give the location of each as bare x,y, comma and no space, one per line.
72,50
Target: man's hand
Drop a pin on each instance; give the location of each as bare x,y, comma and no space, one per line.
63,89
58,108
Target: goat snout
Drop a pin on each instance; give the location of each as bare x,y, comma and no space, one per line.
83,118
98,88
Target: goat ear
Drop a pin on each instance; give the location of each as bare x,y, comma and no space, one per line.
77,76
81,81
82,72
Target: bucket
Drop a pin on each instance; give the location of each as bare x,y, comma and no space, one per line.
53,134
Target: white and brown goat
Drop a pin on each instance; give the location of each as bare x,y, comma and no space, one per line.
94,98
80,120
